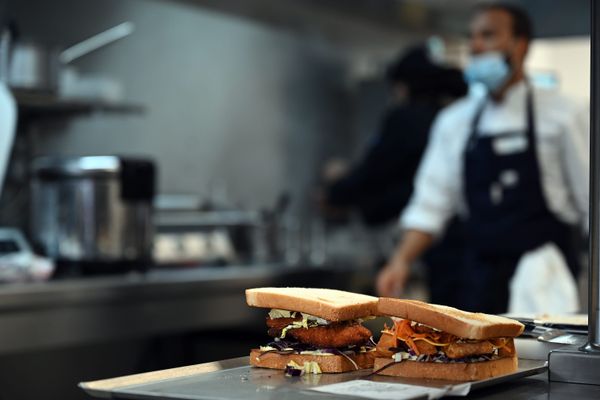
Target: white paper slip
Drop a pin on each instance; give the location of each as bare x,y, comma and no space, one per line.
392,391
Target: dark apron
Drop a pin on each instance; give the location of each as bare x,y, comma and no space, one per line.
508,214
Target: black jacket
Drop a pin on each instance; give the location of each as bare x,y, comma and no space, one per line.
382,183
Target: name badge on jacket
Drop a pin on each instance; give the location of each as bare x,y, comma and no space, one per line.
505,145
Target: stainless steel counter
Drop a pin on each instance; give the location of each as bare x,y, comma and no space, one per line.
234,379
83,311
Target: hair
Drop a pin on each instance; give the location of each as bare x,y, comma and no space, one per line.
424,79
521,22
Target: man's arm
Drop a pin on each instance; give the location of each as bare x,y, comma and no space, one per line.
392,279
434,201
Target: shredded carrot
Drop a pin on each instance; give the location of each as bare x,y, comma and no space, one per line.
405,332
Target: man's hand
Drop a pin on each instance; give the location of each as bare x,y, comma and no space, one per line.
392,278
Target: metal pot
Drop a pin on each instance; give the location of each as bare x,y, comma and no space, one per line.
34,66
95,209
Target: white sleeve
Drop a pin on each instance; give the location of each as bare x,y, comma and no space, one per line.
576,161
437,183
8,123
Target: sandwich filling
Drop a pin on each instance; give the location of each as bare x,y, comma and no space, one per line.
299,333
315,331
409,340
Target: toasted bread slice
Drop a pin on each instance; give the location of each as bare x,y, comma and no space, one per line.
460,323
329,304
458,371
328,363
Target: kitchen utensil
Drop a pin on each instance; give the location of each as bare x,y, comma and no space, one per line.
576,323
94,212
6,39
35,66
188,236
18,262
97,41
550,334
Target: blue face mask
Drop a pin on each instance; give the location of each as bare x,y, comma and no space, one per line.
490,69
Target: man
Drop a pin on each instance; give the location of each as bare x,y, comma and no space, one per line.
513,162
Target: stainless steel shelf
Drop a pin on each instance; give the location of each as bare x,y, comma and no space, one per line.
39,103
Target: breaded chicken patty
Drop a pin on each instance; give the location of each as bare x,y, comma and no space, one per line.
336,334
460,350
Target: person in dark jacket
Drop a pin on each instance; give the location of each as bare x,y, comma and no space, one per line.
381,184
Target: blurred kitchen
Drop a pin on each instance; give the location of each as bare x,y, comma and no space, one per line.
166,164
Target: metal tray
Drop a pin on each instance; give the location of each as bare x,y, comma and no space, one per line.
235,379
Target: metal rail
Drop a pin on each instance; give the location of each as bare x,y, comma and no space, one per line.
594,246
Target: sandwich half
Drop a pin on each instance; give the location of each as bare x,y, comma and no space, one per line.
438,342
314,330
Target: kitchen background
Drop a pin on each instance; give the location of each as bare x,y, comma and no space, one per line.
240,104
270,87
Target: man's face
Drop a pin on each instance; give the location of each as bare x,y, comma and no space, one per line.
492,30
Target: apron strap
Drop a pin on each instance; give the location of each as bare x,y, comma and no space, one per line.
530,121
475,122
531,129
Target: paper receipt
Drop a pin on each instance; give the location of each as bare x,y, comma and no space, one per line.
392,391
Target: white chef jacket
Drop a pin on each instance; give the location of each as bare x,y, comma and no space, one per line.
562,134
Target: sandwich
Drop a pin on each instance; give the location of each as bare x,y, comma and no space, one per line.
314,330
438,342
